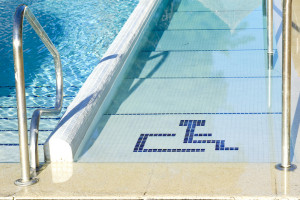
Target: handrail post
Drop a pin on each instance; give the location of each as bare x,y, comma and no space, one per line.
286,87
21,101
270,33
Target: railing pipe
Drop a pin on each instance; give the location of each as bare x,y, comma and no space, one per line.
270,33
286,82
21,12
20,92
286,86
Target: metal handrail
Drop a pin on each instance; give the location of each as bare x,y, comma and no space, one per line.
21,12
286,77
270,33
286,86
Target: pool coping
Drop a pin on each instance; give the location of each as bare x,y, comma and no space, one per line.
154,181
72,127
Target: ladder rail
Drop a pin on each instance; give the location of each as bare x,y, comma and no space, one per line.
21,12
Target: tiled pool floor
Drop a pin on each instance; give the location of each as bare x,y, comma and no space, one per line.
161,138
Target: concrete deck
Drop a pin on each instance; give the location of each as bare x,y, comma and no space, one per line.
154,181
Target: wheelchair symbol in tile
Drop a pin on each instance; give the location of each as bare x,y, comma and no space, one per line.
188,138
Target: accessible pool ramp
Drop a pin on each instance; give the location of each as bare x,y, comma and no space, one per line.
199,90
193,114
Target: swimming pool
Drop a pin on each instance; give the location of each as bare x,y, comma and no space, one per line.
81,37
196,89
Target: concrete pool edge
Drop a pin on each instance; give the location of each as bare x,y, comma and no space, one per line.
154,181
73,126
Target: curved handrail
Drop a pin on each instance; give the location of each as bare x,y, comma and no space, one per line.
21,12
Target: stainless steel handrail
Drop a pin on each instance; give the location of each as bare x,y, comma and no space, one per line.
21,12
270,33
286,86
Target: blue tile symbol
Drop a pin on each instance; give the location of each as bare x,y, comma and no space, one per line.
188,138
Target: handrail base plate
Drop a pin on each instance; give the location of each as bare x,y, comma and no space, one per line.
290,168
20,182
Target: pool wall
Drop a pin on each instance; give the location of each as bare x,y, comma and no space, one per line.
65,140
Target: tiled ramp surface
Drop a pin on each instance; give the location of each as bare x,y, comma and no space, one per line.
199,91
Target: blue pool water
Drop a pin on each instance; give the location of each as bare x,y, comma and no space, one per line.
81,31
198,91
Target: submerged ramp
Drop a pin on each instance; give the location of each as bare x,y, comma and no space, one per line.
198,91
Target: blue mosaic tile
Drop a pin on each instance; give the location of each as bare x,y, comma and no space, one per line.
188,138
203,123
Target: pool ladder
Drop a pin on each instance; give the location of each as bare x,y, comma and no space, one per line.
28,175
